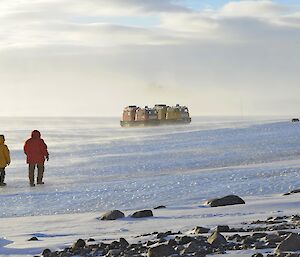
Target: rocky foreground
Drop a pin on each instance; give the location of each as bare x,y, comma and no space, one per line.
275,236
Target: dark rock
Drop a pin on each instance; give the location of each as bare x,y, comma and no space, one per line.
112,215
235,237
46,253
91,240
142,214
134,248
273,238
160,251
163,235
259,245
143,235
259,235
295,218
237,247
237,230
103,246
114,245
292,255
191,247
293,192
258,222
65,253
179,248
149,243
216,239
159,207
199,254
168,233
172,242
249,240
280,218
200,230
231,246
93,246
290,244
222,228
113,253
227,200
185,240
80,243
257,255
123,242
34,238
271,245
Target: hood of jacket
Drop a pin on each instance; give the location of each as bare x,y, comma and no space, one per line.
1,141
35,134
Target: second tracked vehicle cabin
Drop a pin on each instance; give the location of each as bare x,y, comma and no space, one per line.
158,115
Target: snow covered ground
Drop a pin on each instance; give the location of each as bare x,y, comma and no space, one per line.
97,166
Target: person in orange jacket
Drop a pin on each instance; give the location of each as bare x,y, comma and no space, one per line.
36,153
4,159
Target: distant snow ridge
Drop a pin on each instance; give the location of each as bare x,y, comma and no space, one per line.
96,166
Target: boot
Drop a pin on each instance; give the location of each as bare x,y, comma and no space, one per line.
2,177
40,175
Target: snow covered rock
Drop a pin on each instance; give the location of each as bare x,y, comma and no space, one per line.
113,253
226,200
290,244
191,247
222,228
216,239
293,192
112,215
160,251
200,230
142,214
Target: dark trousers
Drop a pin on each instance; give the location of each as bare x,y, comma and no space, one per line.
40,168
2,175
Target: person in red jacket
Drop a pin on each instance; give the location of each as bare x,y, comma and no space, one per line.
36,153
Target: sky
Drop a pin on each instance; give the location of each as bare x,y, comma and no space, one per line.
94,57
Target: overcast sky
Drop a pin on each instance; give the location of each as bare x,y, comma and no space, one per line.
93,57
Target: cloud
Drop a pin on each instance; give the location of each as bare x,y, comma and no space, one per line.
236,22
90,7
80,55
95,23
257,9
90,23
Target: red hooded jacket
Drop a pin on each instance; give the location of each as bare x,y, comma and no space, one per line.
35,149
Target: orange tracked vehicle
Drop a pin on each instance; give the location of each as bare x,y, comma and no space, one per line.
160,114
